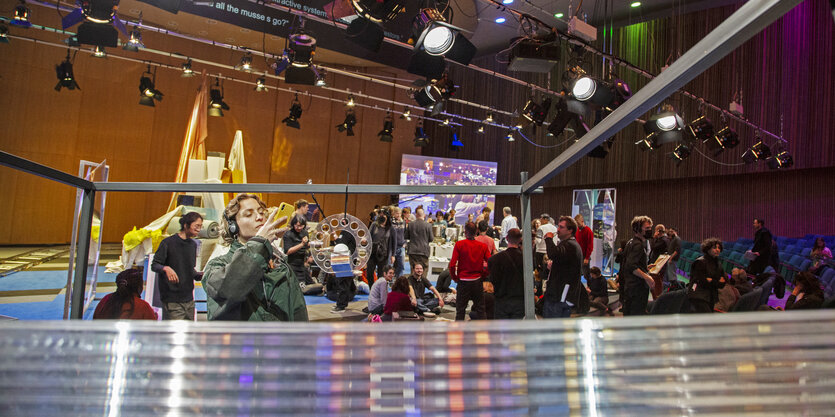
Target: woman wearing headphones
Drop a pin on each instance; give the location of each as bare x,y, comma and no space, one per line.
244,284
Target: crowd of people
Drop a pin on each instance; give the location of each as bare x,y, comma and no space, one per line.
263,280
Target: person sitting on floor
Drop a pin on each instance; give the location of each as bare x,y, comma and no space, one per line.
426,302
125,302
807,293
399,299
598,291
379,291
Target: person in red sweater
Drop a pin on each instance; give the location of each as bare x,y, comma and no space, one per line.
468,268
585,237
399,299
125,302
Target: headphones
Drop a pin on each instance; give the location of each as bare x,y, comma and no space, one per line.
231,226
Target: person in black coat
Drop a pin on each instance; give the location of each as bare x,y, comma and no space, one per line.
707,277
564,287
761,249
807,293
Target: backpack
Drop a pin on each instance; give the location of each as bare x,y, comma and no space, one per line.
379,249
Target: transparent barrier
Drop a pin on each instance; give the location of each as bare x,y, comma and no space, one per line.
735,364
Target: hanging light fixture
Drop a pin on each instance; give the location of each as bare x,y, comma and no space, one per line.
99,52
261,84
320,77
4,33
455,141
388,128
432,35
664,127
680,153
187,70
147,90
781,159
347,125
292,120
65,75
701,129
135,40
20,18
480,129
350,102
509,136
407,115
421,139
216,103
246,63
759,151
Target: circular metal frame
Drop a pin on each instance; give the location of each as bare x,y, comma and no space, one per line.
330,229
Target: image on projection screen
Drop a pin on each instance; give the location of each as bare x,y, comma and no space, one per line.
427,170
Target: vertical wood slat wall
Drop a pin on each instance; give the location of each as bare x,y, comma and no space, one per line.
785,70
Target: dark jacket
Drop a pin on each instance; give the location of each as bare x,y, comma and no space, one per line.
506,274
762,245
634,257
658,247
703,268
180,255
808,302
241,285
567,269
382,238
674,247
419,235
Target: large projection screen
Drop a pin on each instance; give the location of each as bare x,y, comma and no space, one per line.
428,170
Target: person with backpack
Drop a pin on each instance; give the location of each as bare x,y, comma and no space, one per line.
382,246
245,284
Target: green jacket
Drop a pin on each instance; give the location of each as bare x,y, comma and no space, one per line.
241,286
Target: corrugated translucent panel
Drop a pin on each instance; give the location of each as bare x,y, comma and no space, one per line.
771,363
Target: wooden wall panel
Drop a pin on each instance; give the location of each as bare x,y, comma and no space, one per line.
103,120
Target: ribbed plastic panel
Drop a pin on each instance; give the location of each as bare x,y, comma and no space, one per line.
734,364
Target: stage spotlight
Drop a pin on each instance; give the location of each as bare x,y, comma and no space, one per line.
99,22
489,118
724,138
756,152
700,129
388,128
378,11
433,95
216,103
480,129
4,33
455,142
187,71
681,153
246,63
347,125
65,76
433,35
665,126
261,84
446,121
147,90
534,112
320,77
292,120
648,143
134,41
350,102
561,119
607,96
21,15
99,52
782,159
302,49
421,139
281,63
407,115
509,136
